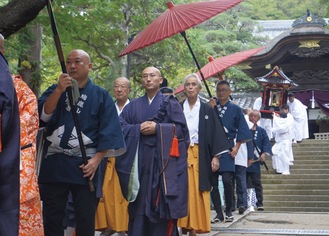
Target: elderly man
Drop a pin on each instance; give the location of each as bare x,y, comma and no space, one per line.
122,89
153,172
112,211
62,169
262,149
207,143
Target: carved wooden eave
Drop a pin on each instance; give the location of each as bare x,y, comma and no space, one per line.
276,79
302,53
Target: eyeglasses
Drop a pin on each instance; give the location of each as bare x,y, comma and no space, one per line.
222,90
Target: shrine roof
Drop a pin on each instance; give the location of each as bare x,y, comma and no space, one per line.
276,76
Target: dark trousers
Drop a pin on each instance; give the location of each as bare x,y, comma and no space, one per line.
240,177
54,198
255,179
227,178
142,226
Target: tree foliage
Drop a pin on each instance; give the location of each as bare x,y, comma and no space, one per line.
104,28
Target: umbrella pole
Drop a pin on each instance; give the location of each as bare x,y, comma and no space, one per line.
196,62
68,90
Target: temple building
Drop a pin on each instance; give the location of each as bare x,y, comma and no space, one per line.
302,53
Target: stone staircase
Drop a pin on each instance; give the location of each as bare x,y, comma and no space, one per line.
306,189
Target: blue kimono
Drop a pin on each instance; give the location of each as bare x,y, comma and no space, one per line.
10,153
235,126
100,128
261,140
161,192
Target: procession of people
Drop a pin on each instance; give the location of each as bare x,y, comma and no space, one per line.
144,166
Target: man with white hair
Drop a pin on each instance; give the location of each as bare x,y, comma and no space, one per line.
203,156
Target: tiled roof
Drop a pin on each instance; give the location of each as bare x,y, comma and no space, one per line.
245,100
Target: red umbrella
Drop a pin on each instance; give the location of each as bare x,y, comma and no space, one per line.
176,19
216,66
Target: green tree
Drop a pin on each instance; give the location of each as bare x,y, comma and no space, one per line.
103,29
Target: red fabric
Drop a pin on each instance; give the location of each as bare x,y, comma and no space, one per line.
219,65
170,227
176,19
216,66
174,151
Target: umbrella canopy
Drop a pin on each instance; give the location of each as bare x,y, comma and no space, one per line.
177,19
217,66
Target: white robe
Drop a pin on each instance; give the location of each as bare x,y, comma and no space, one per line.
264,123
291,122
117,107
282,149
258,103
241,158
299,112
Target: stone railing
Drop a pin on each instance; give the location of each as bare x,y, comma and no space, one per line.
321,136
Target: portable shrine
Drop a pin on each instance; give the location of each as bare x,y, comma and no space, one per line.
275,91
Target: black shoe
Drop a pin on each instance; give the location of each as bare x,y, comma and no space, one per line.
229,218
241,210
217,219
260,208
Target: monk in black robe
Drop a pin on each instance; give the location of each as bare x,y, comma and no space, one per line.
9,152
208,141
152,180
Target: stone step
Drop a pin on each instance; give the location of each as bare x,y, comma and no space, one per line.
284,208
309,166
292,187
312,158
308,142
299,162
302,176
296,196
308,157
284,181
306,189
293,203
295,168
303,153
312,148
297,171
301,192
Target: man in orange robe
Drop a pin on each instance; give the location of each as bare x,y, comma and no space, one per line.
112,211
